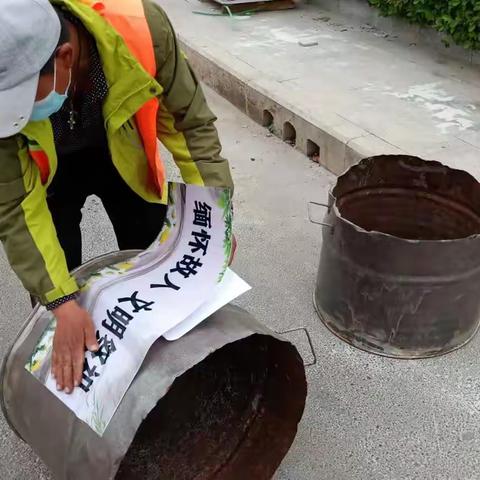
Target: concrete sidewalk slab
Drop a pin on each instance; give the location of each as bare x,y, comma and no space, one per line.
354,92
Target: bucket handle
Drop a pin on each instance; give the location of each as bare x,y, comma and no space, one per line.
315,221
309,341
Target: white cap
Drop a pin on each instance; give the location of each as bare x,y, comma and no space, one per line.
29,34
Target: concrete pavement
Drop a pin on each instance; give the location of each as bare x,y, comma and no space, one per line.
367,418
356,91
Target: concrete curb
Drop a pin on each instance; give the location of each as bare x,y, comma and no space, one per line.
338,142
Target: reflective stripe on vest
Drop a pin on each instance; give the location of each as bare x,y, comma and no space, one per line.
127,17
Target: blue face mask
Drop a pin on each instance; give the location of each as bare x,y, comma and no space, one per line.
52,103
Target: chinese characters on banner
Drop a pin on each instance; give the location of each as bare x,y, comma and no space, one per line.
189,264
168,289
119,317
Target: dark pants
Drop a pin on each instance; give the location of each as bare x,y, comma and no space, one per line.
136,222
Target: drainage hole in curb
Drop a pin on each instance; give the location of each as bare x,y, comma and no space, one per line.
289,134
313,151
267,120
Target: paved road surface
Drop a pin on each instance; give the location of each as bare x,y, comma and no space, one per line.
367,418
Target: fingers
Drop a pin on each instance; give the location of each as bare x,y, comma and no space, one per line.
57,370
67,368
78,362
62,370
55,373
75,330
59,379
90,338
64,362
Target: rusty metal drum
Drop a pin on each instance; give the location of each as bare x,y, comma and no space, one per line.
222,402
399,272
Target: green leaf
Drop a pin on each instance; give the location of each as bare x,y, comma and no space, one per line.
459,19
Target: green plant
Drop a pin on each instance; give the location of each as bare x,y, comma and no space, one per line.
225,203
458,19
97,422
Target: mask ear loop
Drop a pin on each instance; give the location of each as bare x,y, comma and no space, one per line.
55,78
69,81
55,73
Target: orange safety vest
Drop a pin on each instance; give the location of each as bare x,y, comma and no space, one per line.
127,17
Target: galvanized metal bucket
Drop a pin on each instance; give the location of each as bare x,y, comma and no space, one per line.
222,402
399,272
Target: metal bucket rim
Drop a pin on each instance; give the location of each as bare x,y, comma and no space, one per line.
332,202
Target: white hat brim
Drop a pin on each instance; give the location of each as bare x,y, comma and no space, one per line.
16,105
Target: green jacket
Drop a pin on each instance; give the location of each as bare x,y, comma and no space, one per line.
185,127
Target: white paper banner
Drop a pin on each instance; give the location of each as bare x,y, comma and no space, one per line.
166,290
224,292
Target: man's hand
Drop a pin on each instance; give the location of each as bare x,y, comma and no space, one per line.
75,332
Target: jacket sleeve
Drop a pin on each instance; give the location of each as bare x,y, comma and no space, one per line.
185,122
27,231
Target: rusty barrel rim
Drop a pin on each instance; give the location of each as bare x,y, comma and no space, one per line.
332,198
